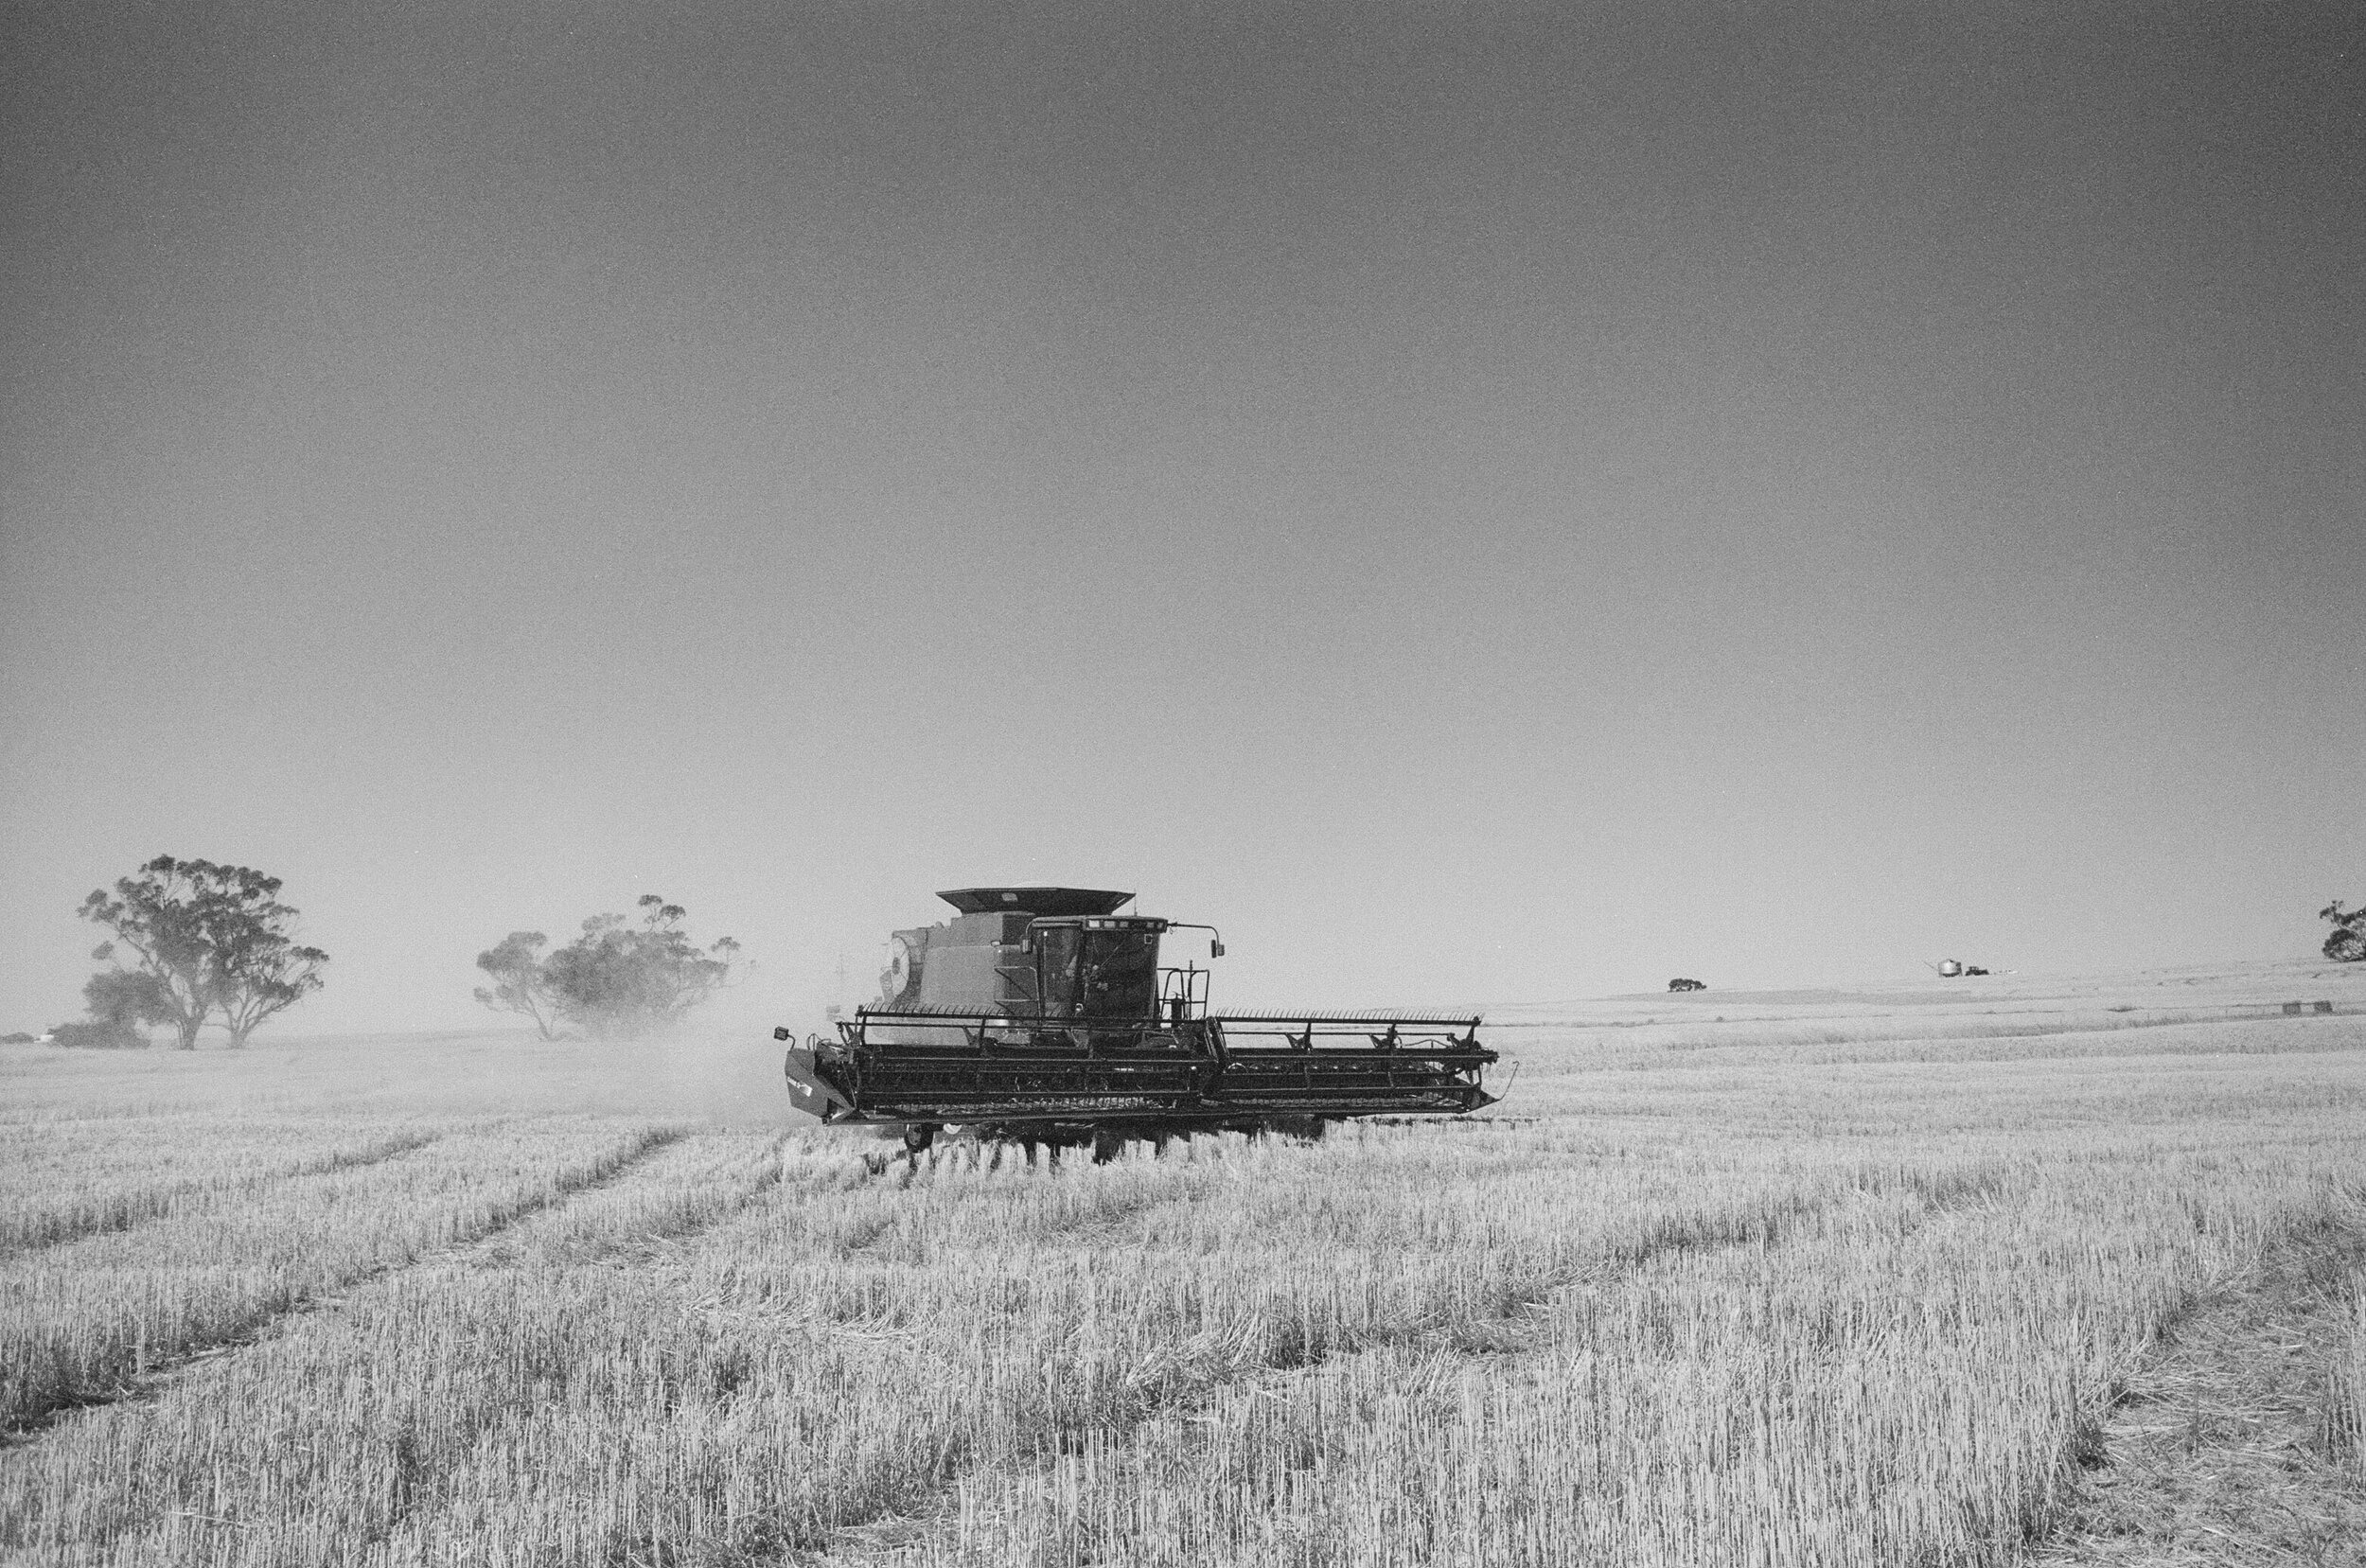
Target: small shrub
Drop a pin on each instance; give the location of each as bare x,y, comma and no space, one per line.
98,1034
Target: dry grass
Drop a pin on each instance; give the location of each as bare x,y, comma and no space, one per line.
1724,1311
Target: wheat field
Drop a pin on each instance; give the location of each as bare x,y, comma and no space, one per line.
1873,1280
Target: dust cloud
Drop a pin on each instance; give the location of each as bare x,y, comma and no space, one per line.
726,1075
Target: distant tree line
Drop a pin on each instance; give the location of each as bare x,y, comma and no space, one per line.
195,942
192,942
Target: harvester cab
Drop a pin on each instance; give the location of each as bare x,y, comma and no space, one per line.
1095,967
1043,1015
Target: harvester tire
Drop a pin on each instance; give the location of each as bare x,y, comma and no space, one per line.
2346,946
919,1137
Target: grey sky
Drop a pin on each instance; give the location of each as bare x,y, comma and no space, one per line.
1481,502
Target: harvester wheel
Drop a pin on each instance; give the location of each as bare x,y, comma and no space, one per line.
1108,1144
2346,946
919,1137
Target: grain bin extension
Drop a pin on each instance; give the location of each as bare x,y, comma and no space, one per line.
1042,1015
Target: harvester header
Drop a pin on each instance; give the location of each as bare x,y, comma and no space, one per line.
1043,1014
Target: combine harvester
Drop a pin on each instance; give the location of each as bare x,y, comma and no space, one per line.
1041,1015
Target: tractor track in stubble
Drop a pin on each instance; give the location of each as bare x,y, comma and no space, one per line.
657,1242
154,1379
639,1247
482,1252
162,1203
2233,1439
1508,1327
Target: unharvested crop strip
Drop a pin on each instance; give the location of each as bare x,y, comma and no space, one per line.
145,1384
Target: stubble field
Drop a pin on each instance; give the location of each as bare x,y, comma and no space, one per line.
1973,1273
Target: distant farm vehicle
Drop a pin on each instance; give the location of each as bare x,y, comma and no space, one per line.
2348,943
1680,983
1040,1015
1953,968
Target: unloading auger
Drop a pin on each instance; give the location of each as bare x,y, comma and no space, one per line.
1041,1015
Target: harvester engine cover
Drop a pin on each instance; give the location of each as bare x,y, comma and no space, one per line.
1042,1013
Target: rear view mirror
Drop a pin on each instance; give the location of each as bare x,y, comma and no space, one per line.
1215,949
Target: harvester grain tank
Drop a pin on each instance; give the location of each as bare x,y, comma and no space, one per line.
1044,1015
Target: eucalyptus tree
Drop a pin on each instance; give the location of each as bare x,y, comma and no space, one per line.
215,940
